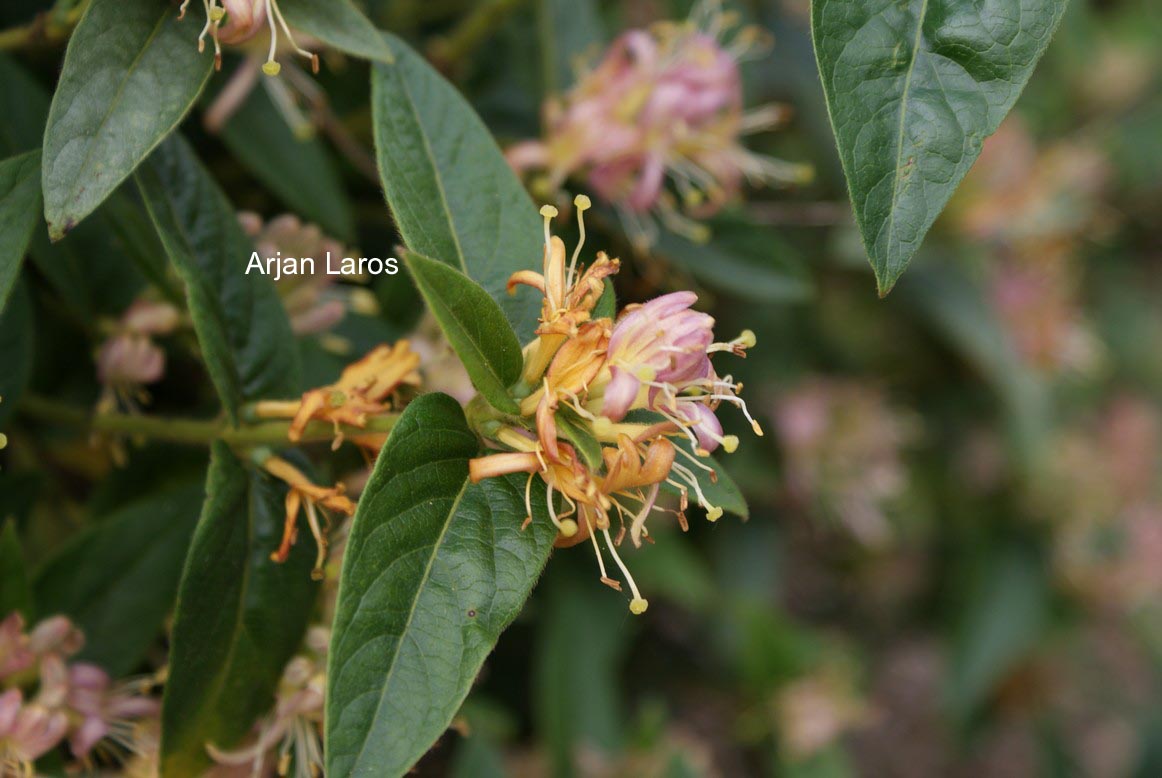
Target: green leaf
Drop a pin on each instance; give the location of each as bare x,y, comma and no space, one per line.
24,106
436,567
19,209
586,444
338,24
244,332
131,72
743,259
474,325
450,190
297,169
240,616
15,590
913,89
16,344
1006,612
578,706
117,579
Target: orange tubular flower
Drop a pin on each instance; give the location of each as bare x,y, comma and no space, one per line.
316,499
569,297
362,390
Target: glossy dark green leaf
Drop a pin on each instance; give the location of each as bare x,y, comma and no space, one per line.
245,336
570,428
240,616
474,325
340,25
117,579
131,72
436,567
453,196
15,589
913,89
297,169
19,209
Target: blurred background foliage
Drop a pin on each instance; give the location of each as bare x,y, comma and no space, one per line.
953,563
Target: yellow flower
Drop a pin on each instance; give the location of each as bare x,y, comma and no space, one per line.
305,493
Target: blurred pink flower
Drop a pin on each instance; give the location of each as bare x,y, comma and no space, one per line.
843,448
27,732
664,103
129,359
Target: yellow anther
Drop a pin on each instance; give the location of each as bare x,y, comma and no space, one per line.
730,443
757,429
746,339
549,212
271,68
638,605
713,513
217,13
568,528
3,441
582,202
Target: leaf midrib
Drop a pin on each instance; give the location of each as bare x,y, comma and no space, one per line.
900,132
436,175
423,582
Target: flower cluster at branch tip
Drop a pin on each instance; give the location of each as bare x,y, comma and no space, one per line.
129,359
314,500
292,732
74,702
613,410
662,103
235,22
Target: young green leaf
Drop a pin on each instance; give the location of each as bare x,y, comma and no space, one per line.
340,25
117,579
243,330
19,209
474,325
606,307
913,89
239,618
452,194
131,72
436,567
15,590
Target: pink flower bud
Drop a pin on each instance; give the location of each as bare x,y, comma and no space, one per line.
130,359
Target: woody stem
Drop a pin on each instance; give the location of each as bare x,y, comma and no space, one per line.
190,431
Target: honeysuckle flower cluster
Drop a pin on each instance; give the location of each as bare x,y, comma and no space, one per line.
313,302
364,390
74,702
234,22
642,387
129,359
663,103
843,444
291,735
